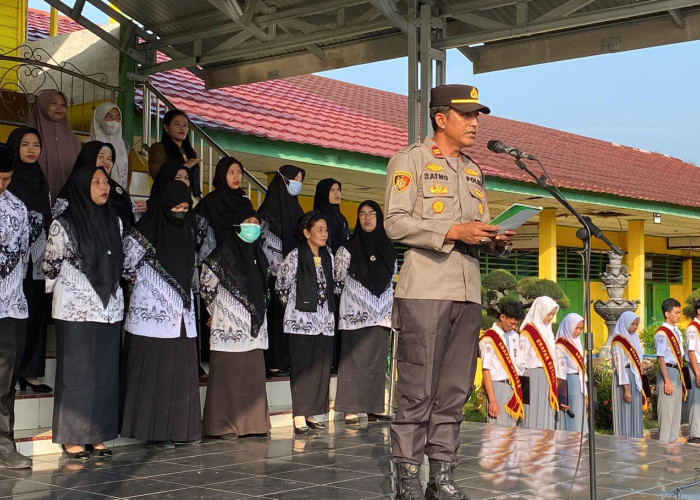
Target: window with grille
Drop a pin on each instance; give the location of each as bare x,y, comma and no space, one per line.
570,263
661,268
520,263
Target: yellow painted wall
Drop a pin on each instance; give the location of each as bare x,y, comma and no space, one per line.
13,33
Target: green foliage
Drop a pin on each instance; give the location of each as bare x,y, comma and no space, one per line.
475,408
602,379
500,280
486,321
688,310
531,288
647,337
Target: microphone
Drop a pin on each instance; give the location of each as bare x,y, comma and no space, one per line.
499,147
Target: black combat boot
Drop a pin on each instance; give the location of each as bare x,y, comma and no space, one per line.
408,486
441,485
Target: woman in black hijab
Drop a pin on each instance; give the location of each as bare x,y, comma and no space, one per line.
82,264
161,387
365,267
171,170
93,156
280,213
30,186
234,287
223,206
305,285
327,201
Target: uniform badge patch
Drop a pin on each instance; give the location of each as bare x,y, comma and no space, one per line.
434,167
401,180
479,194
471,171
436,150
481,209
438,207
438,189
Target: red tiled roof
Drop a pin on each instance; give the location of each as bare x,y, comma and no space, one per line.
38,22
336,115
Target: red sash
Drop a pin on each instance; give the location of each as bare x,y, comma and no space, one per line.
633,356
573,352
514,406
542,351
676,349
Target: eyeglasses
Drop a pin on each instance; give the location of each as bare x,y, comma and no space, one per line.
368,215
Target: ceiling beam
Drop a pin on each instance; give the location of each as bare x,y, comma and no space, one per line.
677,17
573,21
389,10
241,18
480,21
566,9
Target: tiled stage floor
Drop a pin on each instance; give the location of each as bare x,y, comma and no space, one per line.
353,463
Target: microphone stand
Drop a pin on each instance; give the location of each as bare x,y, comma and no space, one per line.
587,230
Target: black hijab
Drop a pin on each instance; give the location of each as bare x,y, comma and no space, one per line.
242,270
372,256
222,206
173,152
173,243
167,173
281,210
119,198
338,230
28,181
307,280
94,233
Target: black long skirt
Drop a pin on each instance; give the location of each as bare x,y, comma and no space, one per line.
236,396
362,372
31,362
311,373
161,390
277,354
86,400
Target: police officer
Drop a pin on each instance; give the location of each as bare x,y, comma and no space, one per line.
436,205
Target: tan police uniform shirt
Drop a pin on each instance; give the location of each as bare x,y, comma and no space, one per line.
424,197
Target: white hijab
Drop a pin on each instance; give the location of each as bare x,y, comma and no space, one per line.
622,328
540,308
111,132
566,331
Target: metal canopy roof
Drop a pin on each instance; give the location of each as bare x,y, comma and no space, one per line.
229,42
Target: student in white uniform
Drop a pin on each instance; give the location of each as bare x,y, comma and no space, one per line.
669,380
572,368
628,396
499,353
692,334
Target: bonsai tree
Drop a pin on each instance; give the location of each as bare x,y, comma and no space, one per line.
688,310
499,285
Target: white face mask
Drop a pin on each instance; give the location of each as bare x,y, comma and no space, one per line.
112,127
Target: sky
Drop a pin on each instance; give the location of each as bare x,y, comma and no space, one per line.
645,98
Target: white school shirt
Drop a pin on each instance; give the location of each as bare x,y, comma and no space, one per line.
321,322
74,298
489,358
691,342
230,320
359,308
664,349
14,236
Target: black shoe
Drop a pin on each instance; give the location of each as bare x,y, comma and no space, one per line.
40,388
352,421
301,430
15,460
100,452
315,425
694,440
408,486
375,417
277,373
187,443
78,455
441,484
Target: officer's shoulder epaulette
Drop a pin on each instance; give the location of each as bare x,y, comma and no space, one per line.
411,147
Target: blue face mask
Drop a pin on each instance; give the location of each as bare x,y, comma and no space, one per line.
293,187
249,232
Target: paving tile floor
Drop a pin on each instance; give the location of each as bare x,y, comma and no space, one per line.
351,462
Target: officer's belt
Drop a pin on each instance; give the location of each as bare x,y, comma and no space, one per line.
471,250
